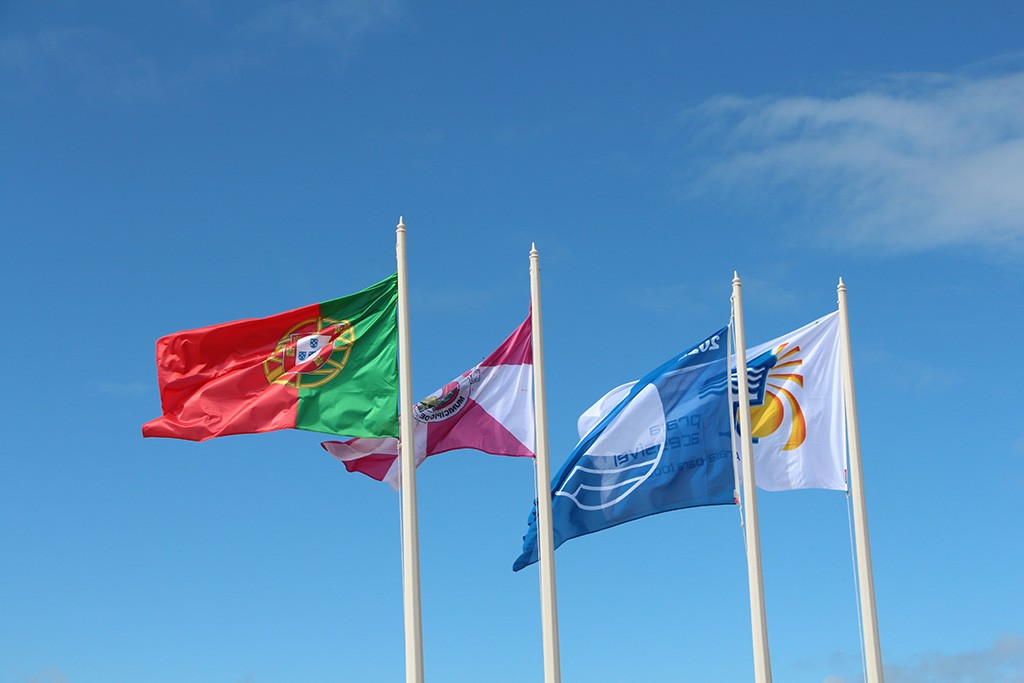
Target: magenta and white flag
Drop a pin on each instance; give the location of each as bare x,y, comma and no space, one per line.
488,408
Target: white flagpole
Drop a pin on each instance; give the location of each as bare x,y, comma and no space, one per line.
865,578
758,623
732,431
545,534
410,525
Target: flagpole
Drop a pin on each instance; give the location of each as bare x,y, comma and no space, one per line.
410,526
758,622
545,534
865,578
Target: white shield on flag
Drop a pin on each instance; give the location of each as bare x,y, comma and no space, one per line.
311,351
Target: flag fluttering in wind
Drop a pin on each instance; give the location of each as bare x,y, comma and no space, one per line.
796,409
488,408
329,367
662,443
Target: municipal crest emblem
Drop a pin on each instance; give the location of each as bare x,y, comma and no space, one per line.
311,353
447,401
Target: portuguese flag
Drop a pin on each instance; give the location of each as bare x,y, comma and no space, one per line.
330,367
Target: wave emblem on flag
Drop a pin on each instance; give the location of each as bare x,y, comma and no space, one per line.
615,467
488,408
658,444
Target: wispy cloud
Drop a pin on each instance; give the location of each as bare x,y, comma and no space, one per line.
319,22
665,298
1001,662
104,64
455,299
905,372
48,676
769,284
92,58
908,163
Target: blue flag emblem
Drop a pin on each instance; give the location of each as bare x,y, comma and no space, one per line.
661,444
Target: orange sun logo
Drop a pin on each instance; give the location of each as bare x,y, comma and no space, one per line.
770,413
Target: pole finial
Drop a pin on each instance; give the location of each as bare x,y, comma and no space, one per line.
842,285
735,278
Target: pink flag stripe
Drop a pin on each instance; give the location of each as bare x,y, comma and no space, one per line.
372,457
488,408
476,429
506,392
516,350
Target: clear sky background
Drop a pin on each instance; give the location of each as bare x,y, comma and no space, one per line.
165,166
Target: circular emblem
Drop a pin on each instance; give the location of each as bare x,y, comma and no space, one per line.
770,374
311,353
447,401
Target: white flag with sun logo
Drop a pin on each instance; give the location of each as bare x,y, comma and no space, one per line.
796,409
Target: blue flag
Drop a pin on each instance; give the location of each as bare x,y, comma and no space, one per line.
659,444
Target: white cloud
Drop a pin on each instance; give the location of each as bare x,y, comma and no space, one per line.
104,64
316,21
50,675
903,372
96,62
453,298
1002,662
675,298
911,163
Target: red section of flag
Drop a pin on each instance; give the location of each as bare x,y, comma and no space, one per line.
213,381
487,434
516,350
373,466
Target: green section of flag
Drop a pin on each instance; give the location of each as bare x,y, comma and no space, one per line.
362,398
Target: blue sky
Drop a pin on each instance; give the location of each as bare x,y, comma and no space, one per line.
168,166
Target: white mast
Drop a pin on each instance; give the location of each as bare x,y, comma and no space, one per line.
545,535
758,623
410,526
865,578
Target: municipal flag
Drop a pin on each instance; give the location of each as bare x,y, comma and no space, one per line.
329,367
488,408
659,444
796,409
